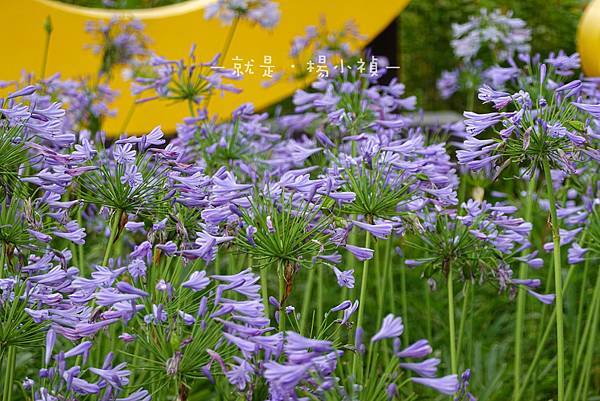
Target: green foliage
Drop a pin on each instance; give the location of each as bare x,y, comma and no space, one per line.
295,237
14,156
378,191
104,187
17,328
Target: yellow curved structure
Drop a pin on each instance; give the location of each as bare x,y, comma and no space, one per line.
588,39
172,30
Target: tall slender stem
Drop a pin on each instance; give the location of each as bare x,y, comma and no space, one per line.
385,277
522,295
229,38
453,356
281,276
560,340
595,313
129,115
48,30
225,49
307,300
2,261
579,348
579,343
404,297
114,228
463,318
541,343
319,297
427,295
361,305
9,373
264,288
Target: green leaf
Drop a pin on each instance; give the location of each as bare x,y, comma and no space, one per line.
577,125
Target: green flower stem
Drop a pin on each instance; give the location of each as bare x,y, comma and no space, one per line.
129,115
225,50
319,297
307,301
264,288
453,356
114,228
560,340
404,297
48,29
383,273
2,261
9,373
579,356
541,343
463,318
281,295
218,263
522,295
584,378
191,108
427,296
470,99
580,311
361,308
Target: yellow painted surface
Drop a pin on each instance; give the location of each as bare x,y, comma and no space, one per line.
172,30
588,39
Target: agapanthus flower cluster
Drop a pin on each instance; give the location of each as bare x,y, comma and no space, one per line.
344,107
498,33
486,39
186,81
548,120
119,42
481,242
88,104
242,144
321,46
263,12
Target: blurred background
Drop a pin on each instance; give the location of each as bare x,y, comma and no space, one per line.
417,41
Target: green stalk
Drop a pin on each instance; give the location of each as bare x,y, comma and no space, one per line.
48,29
560,340
391,287
427,292
463,318
264,288
584,338
114,228
584,380
384,279
404,297
522,294
361,307
306,302
281,295
2,261
9,374
581,308
319,297
453,356
541,343
225,50
129,115
470,99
